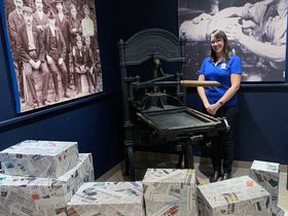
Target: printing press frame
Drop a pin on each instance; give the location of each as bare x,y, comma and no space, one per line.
155,120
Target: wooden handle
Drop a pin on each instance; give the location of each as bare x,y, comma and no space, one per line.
195,83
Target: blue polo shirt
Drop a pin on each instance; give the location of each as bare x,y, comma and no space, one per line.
220,72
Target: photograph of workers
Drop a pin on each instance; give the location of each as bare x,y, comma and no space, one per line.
55,51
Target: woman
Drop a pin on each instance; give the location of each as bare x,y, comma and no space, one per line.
221,101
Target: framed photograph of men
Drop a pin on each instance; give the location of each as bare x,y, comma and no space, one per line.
256,31
54,50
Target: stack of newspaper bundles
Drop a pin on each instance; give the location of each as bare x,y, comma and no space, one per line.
267,174
108,198
170,192
236,196
40,177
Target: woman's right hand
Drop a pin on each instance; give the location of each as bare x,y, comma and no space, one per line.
212,109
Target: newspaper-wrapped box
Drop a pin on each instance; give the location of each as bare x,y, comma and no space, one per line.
278,211
236,196
108,199
170,192
47,159
33,196
267,174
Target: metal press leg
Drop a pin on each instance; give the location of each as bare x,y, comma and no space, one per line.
188,159
180,160
130,167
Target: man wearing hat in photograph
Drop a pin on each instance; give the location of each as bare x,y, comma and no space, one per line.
15,20
88,26
87,23
76,28
31,50
39,17
63,24
91,62
79,60
55,54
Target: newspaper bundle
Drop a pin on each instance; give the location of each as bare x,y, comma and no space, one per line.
267,174
47,159
170,192
278,211
33,196
108,199
236,196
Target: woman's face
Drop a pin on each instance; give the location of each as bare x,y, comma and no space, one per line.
217,44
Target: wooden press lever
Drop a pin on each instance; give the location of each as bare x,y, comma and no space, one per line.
195,83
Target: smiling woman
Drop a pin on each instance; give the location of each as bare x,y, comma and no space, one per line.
221,101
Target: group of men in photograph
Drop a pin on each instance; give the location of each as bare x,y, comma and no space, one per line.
55,44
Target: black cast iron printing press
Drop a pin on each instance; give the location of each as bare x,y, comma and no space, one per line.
155,115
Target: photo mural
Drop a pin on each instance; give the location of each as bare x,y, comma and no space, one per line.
256,30
54,51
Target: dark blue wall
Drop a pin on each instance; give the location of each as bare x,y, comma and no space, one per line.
96,121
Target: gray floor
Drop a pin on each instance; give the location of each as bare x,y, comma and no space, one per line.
203,171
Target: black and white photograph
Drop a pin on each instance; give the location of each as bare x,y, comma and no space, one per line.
55,51
256,30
